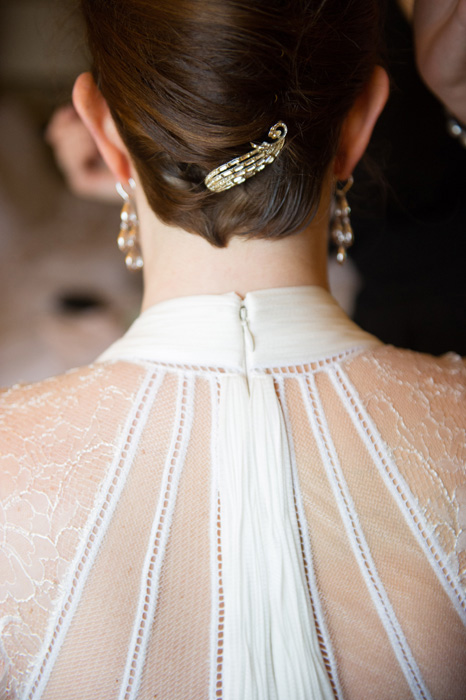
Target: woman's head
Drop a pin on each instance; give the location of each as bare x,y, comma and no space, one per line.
190,83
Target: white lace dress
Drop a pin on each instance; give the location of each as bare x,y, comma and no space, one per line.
240,500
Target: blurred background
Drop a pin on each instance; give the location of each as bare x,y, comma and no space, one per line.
66,294
64,288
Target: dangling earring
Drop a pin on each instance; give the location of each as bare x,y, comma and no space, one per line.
128,241
342,233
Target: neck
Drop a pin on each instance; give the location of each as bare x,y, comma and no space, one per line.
179,264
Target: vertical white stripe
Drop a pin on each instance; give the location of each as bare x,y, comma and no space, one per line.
358,542
312,582
150,576
94,532
400,491
216,652
271,650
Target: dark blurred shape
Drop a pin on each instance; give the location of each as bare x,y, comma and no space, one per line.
411,235
76,302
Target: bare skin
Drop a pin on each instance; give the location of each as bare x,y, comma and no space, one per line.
178,263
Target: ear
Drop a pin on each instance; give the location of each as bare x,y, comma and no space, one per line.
93,110
359,123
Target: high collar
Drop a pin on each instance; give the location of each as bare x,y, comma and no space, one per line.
268,328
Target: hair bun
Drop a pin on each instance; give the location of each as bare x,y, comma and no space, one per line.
189,84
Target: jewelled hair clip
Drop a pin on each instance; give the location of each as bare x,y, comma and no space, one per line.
241,168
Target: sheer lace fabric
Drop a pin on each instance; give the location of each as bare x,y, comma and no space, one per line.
137,510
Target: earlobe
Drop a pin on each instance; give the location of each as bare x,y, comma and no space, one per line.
93,110
359,123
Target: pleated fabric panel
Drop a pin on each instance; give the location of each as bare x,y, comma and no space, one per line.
271,648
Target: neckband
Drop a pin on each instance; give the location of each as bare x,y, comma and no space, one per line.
268,328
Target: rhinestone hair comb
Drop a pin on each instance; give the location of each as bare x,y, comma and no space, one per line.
241,168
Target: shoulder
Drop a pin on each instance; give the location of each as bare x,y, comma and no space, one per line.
31,413
450,365
58,439
87,385
49,426
416,404
439,382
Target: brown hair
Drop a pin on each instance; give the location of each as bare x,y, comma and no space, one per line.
191,82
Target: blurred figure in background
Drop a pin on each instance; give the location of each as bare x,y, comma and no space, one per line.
410,236
66,293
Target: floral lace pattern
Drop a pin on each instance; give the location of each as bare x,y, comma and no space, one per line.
378,459
419,406
53,459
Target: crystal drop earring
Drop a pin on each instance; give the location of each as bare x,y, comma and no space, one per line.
128,237
341,231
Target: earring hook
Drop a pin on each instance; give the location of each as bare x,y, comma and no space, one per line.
121,190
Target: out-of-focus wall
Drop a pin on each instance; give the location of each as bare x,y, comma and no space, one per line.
66,294
42,48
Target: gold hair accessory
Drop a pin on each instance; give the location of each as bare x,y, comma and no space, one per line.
241,168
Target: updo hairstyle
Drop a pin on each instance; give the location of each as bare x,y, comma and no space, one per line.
190,83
